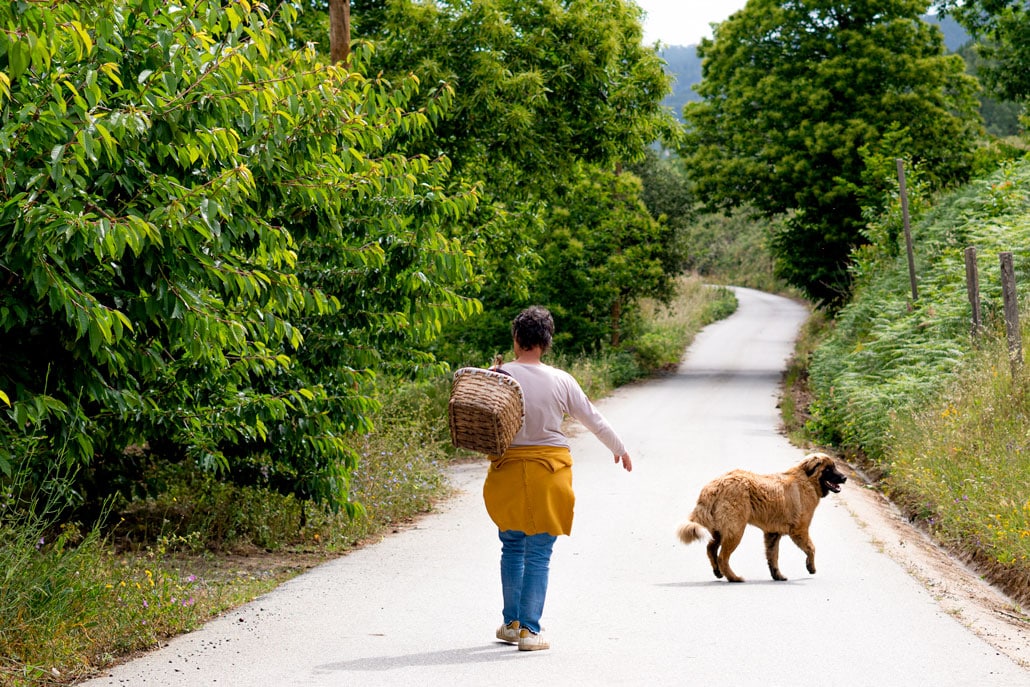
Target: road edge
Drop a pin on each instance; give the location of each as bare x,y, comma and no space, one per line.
981,607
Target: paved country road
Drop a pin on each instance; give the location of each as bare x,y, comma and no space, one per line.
628,604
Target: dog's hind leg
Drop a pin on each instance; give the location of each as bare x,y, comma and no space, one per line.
804,543
713,552
730,541
772,555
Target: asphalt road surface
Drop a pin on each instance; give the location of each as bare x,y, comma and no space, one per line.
627,604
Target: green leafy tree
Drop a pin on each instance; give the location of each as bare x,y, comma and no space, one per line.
208,242
540,87
1002,31
604,251
666,190
1001,118
793,93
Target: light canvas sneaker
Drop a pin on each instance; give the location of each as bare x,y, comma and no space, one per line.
509,633
532,641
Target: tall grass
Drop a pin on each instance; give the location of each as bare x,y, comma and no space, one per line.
887,354
797,399
906,386
69,601
961,464
55,581
43,591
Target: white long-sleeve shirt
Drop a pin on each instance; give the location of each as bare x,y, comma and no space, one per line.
550,394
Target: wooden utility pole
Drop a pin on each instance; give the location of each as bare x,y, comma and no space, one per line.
339,31
908,229
1011,302
973,287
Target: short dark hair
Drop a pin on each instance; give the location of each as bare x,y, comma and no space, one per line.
533,327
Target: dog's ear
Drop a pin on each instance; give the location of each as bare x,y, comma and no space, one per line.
814,463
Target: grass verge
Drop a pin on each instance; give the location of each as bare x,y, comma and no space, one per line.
931,412
957,464
961,466
73,603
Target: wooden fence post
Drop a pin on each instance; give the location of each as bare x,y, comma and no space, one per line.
908,230
973,288
1011,302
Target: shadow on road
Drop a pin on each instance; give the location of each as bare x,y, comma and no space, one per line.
711,584
477,654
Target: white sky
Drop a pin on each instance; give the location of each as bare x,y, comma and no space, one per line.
684,22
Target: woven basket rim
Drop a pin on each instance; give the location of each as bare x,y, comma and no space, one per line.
494,374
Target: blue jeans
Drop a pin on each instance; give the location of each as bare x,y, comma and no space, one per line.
525,562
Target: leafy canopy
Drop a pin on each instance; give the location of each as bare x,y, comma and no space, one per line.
798,95
542,88
208,241
603,253
1002,31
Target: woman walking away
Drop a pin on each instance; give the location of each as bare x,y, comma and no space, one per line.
528,489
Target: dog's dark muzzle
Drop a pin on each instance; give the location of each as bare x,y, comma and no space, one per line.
831,480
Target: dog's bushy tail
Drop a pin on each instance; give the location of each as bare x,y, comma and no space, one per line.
689,532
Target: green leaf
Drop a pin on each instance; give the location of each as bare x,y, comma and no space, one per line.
110,69
85,44
18,58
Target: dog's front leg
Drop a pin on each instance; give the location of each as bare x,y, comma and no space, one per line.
772,555
804,543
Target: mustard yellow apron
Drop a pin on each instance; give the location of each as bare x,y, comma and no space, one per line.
529,489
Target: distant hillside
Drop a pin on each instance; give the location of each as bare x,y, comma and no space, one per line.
954,35
685,66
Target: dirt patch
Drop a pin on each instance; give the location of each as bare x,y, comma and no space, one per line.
255,564
959,589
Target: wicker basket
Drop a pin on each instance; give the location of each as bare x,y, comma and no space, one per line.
485,411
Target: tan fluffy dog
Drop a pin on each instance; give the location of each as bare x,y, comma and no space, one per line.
778,504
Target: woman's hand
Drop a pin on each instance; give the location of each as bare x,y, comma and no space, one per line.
627,463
